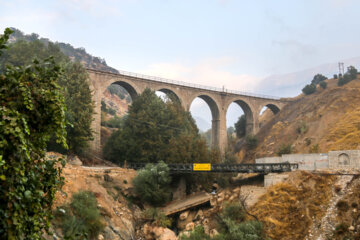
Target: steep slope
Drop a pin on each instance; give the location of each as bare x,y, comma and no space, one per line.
327,120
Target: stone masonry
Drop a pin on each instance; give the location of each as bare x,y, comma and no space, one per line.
217,99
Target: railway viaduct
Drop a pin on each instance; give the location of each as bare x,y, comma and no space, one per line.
217,99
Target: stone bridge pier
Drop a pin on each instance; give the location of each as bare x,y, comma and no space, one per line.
217,99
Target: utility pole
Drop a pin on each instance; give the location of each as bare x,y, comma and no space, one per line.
341,68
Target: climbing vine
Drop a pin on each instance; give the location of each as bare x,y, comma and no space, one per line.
31,111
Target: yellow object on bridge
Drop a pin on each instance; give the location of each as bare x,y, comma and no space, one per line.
202,167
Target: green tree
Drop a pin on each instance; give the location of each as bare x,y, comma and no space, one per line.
318,78
155,130
74,82
309,89
323,84
32,109
240,126
251,141
81,219
232,225
152,183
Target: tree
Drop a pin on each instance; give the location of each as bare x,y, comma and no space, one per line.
152,183
309,89
81,219
323,85
74,82
352,71
155,130
318,78
240,126
32,109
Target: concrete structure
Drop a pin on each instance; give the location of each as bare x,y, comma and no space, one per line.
344,159
217,99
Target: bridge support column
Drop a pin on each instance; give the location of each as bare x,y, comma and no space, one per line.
95,144
219,133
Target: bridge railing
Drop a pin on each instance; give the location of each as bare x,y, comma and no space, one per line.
235,168
193,85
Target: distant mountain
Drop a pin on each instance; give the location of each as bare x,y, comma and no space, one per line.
75,54
202,124
290,85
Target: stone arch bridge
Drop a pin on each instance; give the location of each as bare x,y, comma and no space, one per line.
217,99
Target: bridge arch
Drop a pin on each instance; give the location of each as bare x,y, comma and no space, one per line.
131,89
215,115
273,107
248,112
169,92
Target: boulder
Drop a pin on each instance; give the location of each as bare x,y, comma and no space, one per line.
213,233
167,234
190,226
199,215
183,216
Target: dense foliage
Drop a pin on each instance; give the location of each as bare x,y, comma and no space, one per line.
240,126
75,88
32,109
251,141
232,225
318,78
309,89
81,218
155,130
350,75
152,183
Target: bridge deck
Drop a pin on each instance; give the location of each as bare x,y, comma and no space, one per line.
235,168
188,202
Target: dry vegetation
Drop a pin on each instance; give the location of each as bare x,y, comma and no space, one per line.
287,209
330,119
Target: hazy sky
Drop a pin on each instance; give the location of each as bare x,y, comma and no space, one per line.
216,43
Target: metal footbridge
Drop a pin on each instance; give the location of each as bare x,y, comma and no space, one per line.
224,168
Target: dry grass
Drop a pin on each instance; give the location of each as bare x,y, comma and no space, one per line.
287,209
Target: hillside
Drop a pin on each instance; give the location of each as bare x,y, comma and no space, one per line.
325,120
75,54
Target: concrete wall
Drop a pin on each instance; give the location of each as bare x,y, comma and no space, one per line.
274,178
308,162
345,159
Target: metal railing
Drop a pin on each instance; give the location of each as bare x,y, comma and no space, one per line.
230,168
186,84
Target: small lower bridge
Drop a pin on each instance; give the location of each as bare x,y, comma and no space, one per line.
263,168
183,204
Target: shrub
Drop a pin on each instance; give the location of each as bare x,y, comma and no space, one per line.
314,148
233,211
302,128
197,234
307,141
115,122
284,149
341,228
157,217
81,218
251,142
309,89
342,205
323,85
335,76
152,183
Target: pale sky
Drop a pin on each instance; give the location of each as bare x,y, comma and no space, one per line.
210,42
